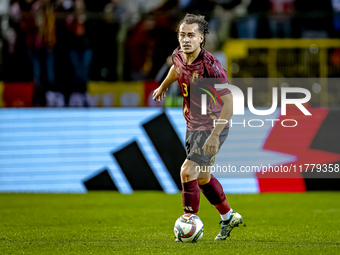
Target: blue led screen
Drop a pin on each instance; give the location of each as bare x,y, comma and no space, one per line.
56,150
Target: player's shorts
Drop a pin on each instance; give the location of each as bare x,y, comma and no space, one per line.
194,142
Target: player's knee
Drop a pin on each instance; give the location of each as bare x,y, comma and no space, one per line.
185,174
203,181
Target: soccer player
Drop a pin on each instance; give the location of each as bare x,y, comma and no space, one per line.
191,63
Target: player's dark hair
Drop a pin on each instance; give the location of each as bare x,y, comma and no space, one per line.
203,26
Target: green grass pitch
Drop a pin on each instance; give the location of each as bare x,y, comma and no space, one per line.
142,223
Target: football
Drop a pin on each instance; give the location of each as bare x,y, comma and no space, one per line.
188,228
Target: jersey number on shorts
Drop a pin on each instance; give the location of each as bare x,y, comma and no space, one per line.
186,90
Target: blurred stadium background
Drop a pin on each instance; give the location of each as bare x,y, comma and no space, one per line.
77,78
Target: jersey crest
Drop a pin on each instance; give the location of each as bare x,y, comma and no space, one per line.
194,77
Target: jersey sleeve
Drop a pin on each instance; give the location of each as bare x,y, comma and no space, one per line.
174,54
220,75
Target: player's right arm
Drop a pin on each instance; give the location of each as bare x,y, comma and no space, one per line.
159,93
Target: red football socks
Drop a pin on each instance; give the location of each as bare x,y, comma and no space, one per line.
190,197
213,191
223,207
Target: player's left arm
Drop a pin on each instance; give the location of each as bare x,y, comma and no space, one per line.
212,143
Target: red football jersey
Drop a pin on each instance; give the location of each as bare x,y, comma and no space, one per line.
193,77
